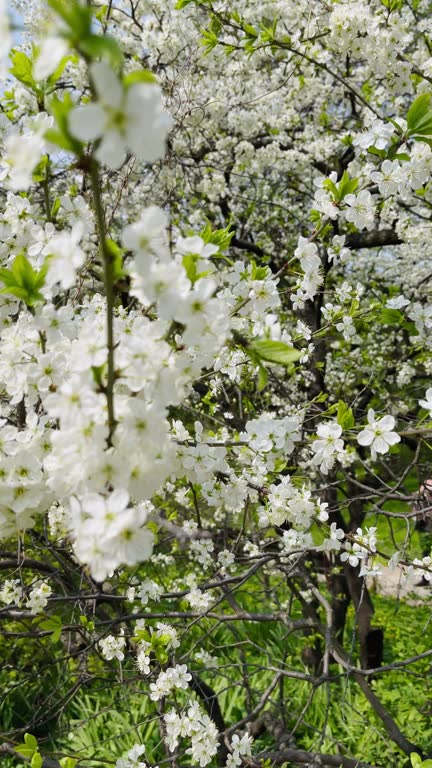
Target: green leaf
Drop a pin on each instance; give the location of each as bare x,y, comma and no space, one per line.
98,374
262,379
415,760
59,109
24,750
321,398
389,316
220,237
274,351
30,740
139,76
345,415
250,30
142,635
22,69
76,16
105,47
22,281
209,40
52,79
161,655
379,152
50,624
418,111
68,762
116,254
161,639
346,186
190,261
258,273
55,207
37,760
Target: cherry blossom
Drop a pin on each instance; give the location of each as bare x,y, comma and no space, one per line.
378,434
125,119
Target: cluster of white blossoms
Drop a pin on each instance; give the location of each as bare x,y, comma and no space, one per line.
296,541
112,647
268,434
287,503
334,539
38,597
361,549
424,567
206,659
132,759
240,747
328,446
310,262
106,531
163,633
11,592
199,600
140,398
147,590
176,677
197,727
23,151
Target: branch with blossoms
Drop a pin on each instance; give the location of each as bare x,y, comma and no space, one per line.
214,380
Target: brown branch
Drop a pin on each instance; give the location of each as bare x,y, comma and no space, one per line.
299,757
375,239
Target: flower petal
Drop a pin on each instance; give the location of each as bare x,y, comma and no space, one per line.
111,150
108,86
87,123
391,438
365,437
380,445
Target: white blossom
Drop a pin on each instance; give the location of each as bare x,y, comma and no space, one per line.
378,434
124,119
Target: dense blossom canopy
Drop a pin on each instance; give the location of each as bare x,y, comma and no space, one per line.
215,361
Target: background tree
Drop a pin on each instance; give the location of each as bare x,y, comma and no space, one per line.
214,368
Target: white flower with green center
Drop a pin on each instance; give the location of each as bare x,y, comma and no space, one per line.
124,119
378,434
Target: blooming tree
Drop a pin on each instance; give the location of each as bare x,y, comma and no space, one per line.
214,364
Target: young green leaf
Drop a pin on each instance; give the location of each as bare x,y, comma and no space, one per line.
262,380
37,760
139,76
68,762
345,415
419,113
274,351
22,281
22,69
30,740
